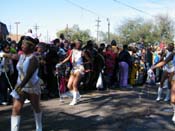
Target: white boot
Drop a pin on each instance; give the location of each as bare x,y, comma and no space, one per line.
159,93
76,97
73,102
173,118
38,121
67,94
167,98
15,121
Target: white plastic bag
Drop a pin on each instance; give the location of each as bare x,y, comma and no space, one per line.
99,84
150,77
2,54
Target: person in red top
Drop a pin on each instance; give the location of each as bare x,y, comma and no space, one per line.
110,57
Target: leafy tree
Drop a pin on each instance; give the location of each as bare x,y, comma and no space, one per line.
134,30
165,28
75,33
104,37
128,31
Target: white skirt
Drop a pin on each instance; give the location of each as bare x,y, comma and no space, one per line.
170,70
79,69
30,90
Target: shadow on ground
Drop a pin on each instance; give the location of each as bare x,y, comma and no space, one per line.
112,110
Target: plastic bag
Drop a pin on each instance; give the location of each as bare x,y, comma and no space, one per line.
150,77
2,54
99,84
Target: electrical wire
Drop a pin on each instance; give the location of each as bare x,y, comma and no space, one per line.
83,8
129,6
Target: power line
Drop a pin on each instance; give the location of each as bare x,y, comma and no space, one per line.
94,13
141,11
154,2
83,8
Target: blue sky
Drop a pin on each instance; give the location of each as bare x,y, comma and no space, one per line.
54,15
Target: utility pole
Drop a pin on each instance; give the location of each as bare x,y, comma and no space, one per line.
17,23
108,30
36,27
47,36
67,30
98,25
10,29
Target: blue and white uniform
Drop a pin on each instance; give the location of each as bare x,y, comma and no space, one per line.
77,61
169,67
33,85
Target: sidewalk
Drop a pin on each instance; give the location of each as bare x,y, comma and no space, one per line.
113,110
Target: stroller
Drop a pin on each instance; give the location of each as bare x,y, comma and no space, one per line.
61,79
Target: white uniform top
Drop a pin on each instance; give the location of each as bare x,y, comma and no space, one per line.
174,67
32,86
169,67
77,61
173,60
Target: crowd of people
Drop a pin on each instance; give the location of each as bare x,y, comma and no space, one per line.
64,67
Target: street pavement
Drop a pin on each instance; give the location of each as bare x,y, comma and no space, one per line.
110,110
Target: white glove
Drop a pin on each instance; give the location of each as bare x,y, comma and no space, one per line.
2,54
14,94
58,65
150,71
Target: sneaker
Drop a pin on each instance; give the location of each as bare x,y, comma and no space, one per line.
61,99
173,118
73,102
129,86
78,96
166,99
4,103
67,94
158,99
26,101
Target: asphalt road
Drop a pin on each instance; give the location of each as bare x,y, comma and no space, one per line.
111,110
